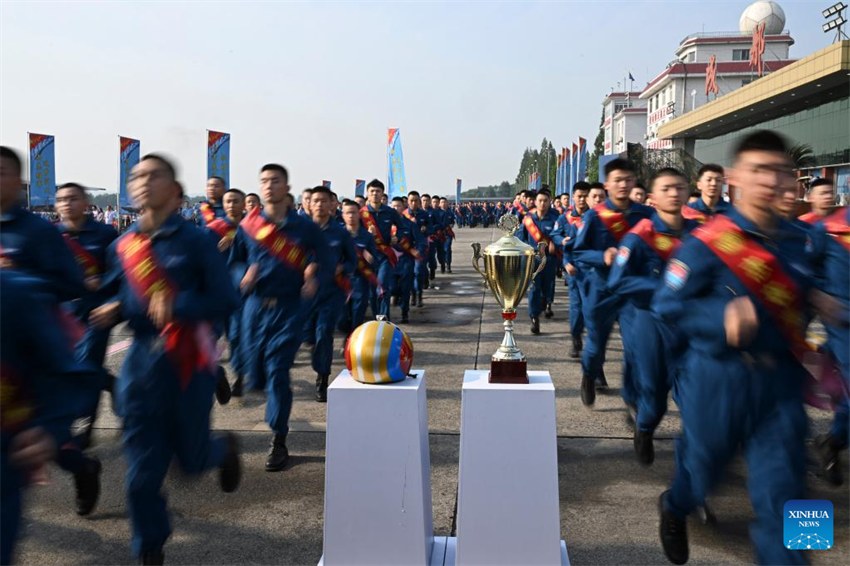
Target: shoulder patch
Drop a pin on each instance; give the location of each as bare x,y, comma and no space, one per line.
676,275
623,255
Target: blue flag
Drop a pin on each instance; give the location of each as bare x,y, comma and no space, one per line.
359,188
582,159
128,157
457,191
218,156
42,169
397,183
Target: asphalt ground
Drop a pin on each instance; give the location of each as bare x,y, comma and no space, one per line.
608,502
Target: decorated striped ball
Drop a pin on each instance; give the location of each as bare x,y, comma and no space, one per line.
378,352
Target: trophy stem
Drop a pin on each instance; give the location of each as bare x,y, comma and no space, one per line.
508,349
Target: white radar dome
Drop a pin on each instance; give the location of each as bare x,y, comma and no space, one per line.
770,13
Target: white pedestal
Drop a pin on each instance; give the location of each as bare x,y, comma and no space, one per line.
508,507
377,475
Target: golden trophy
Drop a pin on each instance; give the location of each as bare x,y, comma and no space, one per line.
509,271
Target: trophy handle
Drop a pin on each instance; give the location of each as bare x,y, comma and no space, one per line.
541,253
476,257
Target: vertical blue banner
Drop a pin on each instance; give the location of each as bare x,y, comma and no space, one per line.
128,157
359,188
326,184
574,166
457,191
582,159
218,156
396,181
42,169
568,185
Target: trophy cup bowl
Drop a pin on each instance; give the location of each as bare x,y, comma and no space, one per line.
509,270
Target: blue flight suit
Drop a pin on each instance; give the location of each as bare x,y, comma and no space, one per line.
634,277
405,266
329,302
95,237
420,268
217,208
588,251
236,271
537,294
34,247
831,262
566,232
361,288
722,207
731,398
448,222
385,218
42,386
436,251
274,312
162,419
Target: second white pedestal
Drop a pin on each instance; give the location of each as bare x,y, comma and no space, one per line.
377,475
508,506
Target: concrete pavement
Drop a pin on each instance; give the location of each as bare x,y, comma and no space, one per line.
608,503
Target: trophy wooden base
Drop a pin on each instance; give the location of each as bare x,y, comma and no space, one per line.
508,371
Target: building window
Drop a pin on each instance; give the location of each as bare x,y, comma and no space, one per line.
692,57
619,107
740,54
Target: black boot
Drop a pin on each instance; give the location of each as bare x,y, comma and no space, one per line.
404,316
395,300
321,388
222,387
674,533
706,515
827,450
548,313
419,300
601,382
433,271
237,388
449,267
575,352
535,325
442,268
230,471
278,454
87,484
588,391
152,558
644,447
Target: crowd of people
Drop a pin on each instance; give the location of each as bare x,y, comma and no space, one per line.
712,302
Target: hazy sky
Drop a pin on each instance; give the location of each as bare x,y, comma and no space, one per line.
314,86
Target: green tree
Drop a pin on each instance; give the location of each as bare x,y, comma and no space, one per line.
803,156
598,148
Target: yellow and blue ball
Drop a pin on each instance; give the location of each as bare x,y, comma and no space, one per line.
378,352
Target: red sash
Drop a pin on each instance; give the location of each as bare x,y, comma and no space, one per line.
404,244
18,406
450,232
694,214
538,236
662,244
145,277
343,282
763,276
810,218
577,221
207,212
266,234
87,262
408,215
614,221
836,225
223,228
364,268
383,247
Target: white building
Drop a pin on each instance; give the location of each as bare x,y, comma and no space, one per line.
624,122
680,88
